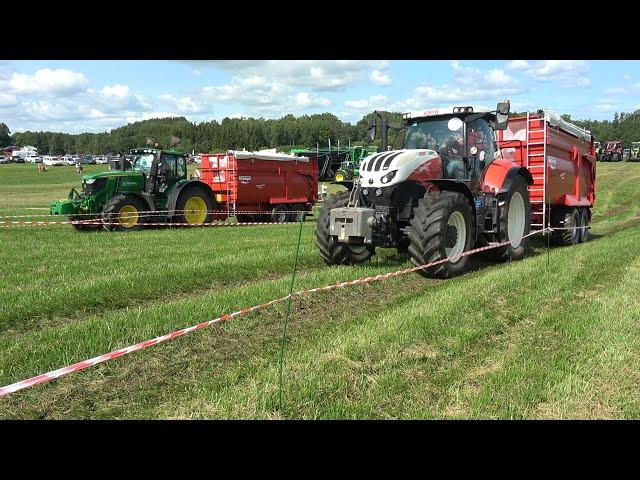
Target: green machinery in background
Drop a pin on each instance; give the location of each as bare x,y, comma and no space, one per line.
339,164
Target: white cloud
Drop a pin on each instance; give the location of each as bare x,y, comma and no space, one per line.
375,102
498,78
118,91
48,82
318,75
626,76
7,100
196,72
518,65
567,72
380,78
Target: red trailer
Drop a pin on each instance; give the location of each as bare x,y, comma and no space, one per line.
264,181
561,158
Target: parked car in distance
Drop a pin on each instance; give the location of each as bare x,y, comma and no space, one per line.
53,161
102,160
4,159
88,159
68,160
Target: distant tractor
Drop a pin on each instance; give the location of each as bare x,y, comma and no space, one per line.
626,154
599,150
350,167
635,152
612,152
467,177
157,181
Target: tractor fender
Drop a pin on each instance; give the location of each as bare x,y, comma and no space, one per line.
455,186
147,199
172,200
500,175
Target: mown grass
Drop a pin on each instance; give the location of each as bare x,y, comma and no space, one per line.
552,336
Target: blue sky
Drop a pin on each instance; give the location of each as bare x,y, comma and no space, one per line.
94,96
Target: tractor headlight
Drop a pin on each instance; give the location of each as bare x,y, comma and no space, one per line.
365,191
90,181
378,192
388,177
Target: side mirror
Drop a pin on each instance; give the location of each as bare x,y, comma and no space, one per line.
502,115
371,131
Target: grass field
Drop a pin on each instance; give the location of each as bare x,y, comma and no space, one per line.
553,336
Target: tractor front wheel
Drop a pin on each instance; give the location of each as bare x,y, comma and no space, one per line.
124,213
441,228
332,251
514,222
194,207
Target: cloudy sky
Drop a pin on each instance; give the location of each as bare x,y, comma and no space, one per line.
94,96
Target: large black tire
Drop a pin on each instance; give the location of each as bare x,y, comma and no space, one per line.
585,219
278,214
194,206
430,233
508,210
331,251
122,213
565,217
296,217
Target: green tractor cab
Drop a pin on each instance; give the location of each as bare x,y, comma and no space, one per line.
119,199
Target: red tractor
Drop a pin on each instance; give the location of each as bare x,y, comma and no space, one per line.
456,185
612,152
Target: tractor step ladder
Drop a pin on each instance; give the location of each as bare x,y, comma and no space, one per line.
534,159
232,184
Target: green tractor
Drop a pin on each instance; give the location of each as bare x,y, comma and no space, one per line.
599,149
635,152
157,181
350,167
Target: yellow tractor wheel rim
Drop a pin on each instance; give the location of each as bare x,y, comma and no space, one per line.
339,177
195,210
128,216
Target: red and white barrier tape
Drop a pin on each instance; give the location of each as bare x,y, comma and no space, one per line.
45,377
156,213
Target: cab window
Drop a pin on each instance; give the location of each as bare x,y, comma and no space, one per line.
181,167
480,140
168,164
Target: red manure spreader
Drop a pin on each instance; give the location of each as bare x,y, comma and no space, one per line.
466,177
261,186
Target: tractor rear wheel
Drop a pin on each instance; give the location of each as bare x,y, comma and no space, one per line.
194,206
441,227
331,251
514,222
569,218
123,213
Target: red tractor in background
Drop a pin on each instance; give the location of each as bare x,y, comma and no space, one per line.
612,152
466,177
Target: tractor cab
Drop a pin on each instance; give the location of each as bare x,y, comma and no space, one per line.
162,169
635,151
461,136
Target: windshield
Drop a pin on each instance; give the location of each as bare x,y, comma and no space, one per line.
434,134
142,163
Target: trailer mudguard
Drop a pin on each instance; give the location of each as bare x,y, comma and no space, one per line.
175,193
501,174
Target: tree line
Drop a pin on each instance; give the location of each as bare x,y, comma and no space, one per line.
284,133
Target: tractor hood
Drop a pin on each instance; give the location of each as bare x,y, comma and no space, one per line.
113,173
393,167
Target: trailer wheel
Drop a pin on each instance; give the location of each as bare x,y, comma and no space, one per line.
278,214
296,217
563,217
122,213
331,251
441,227
514,222
195,206
584,223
